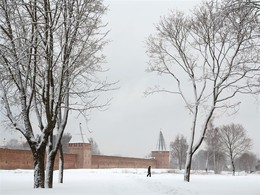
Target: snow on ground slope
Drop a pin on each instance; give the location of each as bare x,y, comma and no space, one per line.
130,181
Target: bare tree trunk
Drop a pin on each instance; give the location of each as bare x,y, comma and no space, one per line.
180,163
188,166
190,151
214,162
233,167
49,170
232,164
61,164
39,175
207,161
50,163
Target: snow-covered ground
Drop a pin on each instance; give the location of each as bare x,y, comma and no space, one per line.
131,181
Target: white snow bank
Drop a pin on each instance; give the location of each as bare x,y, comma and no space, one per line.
130,181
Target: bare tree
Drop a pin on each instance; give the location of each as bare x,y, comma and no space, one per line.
234,142
16,144
247,162
211,57
199,160
214,150
50,52
204,160
65,141
94,146
178,150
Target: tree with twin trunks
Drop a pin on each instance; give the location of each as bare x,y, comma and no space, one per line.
50,54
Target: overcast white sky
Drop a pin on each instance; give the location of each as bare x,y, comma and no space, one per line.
131,125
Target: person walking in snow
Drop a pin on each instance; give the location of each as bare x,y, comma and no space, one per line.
149,172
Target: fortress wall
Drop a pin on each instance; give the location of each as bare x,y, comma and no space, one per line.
162,158
79,156
15,159
101,161
23,159
83,152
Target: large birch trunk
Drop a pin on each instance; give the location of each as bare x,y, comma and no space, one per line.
49,170
39,175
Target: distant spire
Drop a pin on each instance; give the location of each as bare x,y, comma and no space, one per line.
161,143
81,133
79,137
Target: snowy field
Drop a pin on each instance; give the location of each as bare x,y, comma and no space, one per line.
131,181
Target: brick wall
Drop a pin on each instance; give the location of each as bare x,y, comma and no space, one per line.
83,152
162,158
23,159
79,156
16,159
101,161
